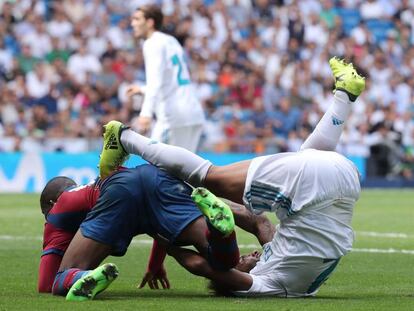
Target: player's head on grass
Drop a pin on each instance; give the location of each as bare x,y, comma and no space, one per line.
246,264
53,190
145,20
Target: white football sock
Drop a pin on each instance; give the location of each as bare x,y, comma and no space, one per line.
327,132
175,160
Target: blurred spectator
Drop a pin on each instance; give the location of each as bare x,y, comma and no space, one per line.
82,63
371,9
37,83
38,40
26,59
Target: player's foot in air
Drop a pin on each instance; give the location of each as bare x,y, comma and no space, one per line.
113,153
96,281
217,212
346,78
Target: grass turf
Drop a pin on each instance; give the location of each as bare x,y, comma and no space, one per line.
363,280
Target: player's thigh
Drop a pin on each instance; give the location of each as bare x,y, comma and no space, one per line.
195,234
228,181
84,253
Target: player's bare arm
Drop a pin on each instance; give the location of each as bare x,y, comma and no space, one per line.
233,279
258,225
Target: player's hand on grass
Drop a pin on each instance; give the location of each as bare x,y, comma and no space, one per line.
152,279
134,89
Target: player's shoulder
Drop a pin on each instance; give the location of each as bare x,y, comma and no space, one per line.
74,199
159,39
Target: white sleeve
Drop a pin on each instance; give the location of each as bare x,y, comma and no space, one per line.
154,65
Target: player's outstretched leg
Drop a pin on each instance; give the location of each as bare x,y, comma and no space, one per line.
218,213
348,86
175,160
346,78
87,287
113,153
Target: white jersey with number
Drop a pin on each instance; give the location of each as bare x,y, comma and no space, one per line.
313,193
169,93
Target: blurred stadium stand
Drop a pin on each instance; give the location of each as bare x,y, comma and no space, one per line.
260,68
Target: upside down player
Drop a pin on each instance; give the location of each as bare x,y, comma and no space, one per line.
110,212
313,193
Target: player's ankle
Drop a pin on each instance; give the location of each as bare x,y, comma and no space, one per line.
342,96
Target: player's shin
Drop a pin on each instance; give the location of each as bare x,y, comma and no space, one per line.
329,129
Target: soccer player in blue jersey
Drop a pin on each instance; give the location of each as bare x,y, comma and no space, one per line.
109,213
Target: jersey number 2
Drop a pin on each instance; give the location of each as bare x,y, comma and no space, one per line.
177,62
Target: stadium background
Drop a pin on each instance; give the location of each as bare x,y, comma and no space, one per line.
260,68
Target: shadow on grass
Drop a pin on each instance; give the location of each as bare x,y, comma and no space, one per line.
167,294
158,294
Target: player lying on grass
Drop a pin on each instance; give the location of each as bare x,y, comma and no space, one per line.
313,193
85,224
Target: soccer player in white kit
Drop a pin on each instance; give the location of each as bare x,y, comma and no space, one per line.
312,191
169,93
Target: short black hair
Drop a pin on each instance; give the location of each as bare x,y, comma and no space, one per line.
153,12
53,190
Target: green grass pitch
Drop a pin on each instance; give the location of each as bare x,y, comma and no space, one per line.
377,275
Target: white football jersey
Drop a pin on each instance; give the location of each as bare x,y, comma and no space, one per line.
313,193
169,93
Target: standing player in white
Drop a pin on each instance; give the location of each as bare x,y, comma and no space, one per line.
169,93
313,193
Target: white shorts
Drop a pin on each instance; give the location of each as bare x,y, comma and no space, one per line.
187,137
292,277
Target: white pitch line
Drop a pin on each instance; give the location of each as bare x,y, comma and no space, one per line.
20,238
356,250
148,242
392,235
384,251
